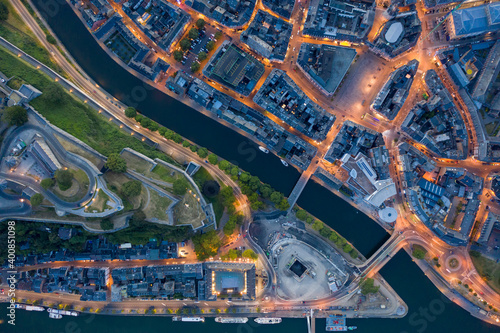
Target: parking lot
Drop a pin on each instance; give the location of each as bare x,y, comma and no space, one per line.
197,46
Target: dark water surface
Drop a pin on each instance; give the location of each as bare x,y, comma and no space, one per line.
429,310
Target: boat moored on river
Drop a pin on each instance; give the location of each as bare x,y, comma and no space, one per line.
264,320
231,320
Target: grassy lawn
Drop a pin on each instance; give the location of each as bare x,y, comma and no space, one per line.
17,32
166,174
73,148
488,268
136,163
115,182
188,210
142,166
78,189
99,203
91,128
490,128
157,206
200,177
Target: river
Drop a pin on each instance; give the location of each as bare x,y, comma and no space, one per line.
429,310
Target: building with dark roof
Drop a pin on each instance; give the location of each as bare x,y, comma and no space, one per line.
268,36
43,154
230,280
325,65
231,13
341,20
472,21
233,67
283,8
398,35
393,94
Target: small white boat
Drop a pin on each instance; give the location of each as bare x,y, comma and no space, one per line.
264,150
55,315
285,163
264,320
231,320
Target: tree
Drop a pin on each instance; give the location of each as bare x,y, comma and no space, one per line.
317,225
106,224
254,183
185,44
4,11
210,45
51,40
218,34
245,177
54,93
64,179
301,214
195,66
193,33
178,55
418,252
283,205
265,190
47,183
202,152
116,163
367,287
15,115
36,199
234,171
325,231
206,245
132,188
212,158
347,248
200,23
193,148
353,254
202,56
186,143
130,112
250,254
233,254
276,197
223,165
180,186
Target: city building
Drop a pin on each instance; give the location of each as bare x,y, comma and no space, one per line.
436,123
446,201
353,139
90,283
393,94
234,68
365,182
398,35
268,36
282,97
229,280
44,155
473,21
231,13
22,96
341,20
491,222
160,20
272,135
325,65
201,281
283,8
438,3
